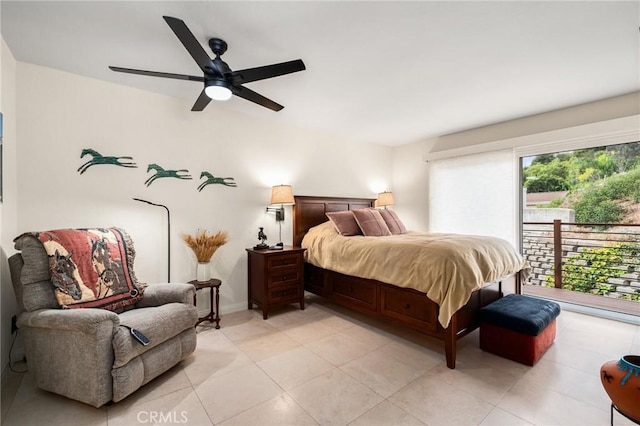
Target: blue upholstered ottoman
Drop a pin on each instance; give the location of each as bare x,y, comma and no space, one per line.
517,327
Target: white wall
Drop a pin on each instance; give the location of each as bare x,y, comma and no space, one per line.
59,114
8,207
410,186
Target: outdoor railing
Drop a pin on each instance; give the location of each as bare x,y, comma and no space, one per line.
595,258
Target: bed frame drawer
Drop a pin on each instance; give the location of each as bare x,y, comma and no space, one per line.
317,280
409,307
355,293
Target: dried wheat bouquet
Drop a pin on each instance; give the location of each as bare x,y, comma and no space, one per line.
204,245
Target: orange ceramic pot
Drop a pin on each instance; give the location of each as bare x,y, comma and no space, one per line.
621,381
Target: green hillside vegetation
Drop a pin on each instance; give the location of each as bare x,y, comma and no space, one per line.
604,203
603,183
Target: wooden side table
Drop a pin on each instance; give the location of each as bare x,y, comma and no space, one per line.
213,284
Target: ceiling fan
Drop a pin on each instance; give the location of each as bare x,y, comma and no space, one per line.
220,82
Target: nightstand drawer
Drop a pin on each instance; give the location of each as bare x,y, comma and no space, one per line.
285,293
293,260
283,277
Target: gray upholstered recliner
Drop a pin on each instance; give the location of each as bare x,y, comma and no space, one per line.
85,354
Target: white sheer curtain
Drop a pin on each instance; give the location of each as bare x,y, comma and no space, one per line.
475,194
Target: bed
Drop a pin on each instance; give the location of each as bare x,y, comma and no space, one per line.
390,298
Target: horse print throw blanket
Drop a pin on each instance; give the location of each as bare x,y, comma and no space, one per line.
91,268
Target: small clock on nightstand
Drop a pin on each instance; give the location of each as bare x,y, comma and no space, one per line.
276,278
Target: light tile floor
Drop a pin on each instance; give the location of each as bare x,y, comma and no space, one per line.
327,365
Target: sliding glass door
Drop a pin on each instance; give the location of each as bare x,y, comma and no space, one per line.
580,225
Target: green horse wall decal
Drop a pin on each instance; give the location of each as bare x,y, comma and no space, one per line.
97,158
211,179
162,173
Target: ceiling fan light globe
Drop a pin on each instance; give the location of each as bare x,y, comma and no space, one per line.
218,93
217,89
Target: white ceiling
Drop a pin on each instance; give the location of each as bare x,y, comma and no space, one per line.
380,72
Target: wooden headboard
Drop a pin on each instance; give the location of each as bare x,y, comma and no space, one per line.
310,211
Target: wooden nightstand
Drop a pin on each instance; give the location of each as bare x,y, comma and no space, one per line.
276,278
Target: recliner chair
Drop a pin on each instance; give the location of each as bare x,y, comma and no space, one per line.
88,354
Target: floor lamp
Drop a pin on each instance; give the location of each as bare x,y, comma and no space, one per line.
168,235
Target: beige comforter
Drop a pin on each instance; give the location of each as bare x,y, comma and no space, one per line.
447,267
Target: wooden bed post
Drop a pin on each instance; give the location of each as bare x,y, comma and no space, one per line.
450,340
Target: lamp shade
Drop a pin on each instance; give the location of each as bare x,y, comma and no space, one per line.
282,194
385,199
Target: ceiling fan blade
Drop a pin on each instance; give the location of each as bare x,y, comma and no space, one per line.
257,98
190,42
202,101
267,71
158,74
